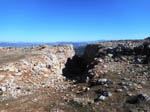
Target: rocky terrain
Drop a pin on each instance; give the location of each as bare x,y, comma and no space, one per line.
22,71
110,76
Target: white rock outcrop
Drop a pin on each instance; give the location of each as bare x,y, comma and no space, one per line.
40,70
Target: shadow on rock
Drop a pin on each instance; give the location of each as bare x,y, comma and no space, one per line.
75,68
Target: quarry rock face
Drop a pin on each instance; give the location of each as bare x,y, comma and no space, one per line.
42,69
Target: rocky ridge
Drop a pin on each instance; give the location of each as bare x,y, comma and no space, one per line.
42,69
117,71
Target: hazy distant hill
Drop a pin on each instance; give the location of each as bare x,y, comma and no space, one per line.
24,44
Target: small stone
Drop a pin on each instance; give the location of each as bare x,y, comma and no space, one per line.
100,60
129,94
6,104
118,90
126,88
105,66
109,94
78,92
104,93
138,86
102,98
3,88
17,74
126,79
110,55
86,89
102,81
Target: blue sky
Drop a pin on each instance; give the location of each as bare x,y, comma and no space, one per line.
73,20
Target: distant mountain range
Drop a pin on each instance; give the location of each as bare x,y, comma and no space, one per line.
25,44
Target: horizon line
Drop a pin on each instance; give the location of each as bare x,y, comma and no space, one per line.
66,41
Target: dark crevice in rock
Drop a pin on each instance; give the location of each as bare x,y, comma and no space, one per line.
78,67
75,69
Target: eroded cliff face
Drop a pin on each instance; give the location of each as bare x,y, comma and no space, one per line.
39,67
